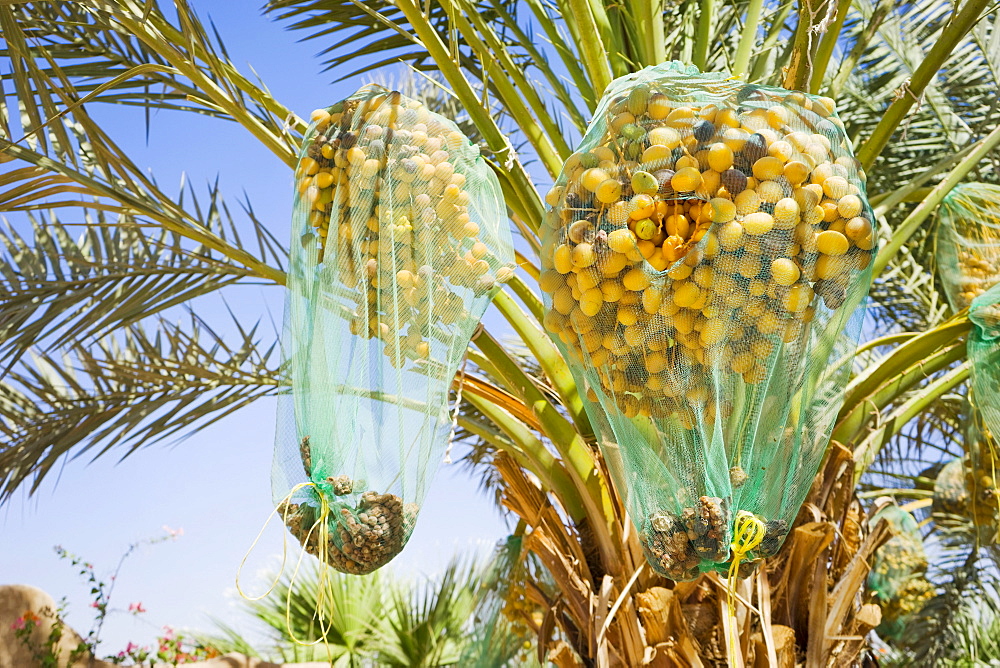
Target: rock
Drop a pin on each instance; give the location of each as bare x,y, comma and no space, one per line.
16,600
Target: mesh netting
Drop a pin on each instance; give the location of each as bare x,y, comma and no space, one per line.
984,357
399,241
704,258
967,242
897,577
951,493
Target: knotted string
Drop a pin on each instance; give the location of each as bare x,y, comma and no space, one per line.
322,525
748,532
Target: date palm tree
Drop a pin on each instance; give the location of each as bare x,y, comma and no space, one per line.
89,364
380,620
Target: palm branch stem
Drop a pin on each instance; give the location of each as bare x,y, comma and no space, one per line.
821,61
851,425
529,452
574,451
497,142
527,297
913,90
526,206
559,88
703,40
909,492
800,61
848,65
886,340
527,265
884,202
588,475
593,49
512,87
617,35
866,451
774,31
649,23
569,58
904,356
551,361
748,37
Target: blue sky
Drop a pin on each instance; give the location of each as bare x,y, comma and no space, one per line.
216,484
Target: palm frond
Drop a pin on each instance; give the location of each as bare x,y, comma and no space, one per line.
322,615
956,110
350,33
427,624
60,151
91,53
129,52
55,289
123,392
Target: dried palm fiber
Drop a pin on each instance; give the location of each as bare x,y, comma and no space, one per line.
399,242
897,577
984,358
705,257
967,242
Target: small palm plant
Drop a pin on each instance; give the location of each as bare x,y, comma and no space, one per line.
383,620
89,362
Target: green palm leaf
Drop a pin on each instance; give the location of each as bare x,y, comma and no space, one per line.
56,290
123,392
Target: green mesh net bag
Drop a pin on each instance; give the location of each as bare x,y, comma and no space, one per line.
951,494
897,577
967,242
704,259
984,357
399,242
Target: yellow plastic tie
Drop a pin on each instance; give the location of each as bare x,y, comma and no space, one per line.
322,585
284,545
324,534
748,533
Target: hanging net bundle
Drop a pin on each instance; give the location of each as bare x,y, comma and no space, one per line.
399,242
967,242
704,257
951,492
965,490
967,248
984,358
897,577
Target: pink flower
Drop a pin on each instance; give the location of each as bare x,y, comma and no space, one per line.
136,608
18,624
168,632
131,647
173,533
95,604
